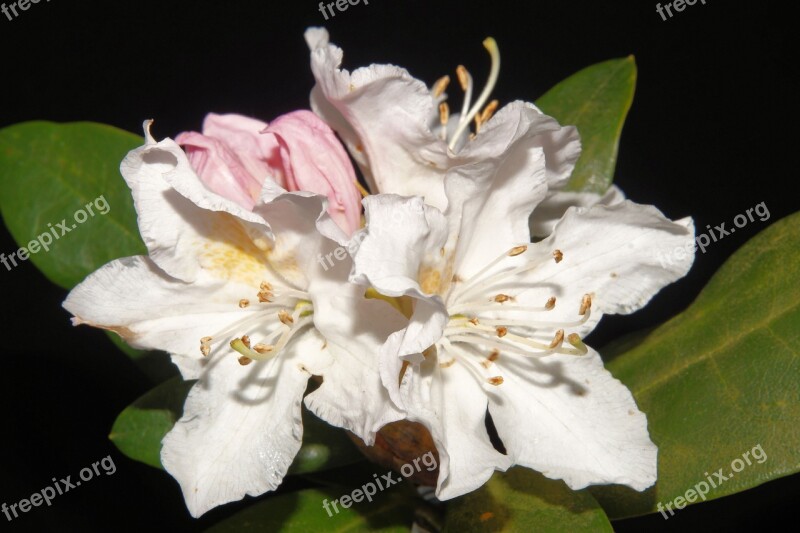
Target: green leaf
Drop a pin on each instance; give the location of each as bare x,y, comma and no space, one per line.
300,512
140,428
48,174
524,500
721,379
596,100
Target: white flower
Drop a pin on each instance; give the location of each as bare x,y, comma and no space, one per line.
244,303
407,141
498,324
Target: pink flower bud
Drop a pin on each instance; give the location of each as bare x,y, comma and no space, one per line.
235,155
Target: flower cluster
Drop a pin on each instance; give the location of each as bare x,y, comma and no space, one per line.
442,312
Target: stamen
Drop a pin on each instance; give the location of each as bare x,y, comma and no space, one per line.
472,280
491,47
263,348
444,116
558,255
246,340
586,304
488,111
502,331
551,303
447,364
244,361
285,317
474,321
205,346
244,302
500,298
496,381
465,80
558,340
440,86
247,353
517,250
364,192
491,359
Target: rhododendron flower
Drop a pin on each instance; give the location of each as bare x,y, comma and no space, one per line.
407,140
498,322
239,299
235,155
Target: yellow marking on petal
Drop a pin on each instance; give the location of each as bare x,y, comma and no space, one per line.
430,280
230,253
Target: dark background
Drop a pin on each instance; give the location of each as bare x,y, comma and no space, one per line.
708,136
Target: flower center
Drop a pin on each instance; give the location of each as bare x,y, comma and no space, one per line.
469,111
486,324
276,316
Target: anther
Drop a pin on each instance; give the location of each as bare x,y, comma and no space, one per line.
586,304
205,346
502,331
491,359
488,111
502,298
244,302
285,317
246,340
515,251
558,255
551,303
447,364
244,361
474,321
558,339
497,380
263,348
463,77
440,86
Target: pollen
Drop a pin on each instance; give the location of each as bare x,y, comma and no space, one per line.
244,302
285,317
496,381
558,255
502,331
515,251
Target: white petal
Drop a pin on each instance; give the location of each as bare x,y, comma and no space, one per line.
568,418
452,405
621,255
153,311
241,427
401,254
182,238
382,114
352,395
545,216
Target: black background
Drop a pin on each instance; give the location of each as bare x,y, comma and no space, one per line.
708,136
